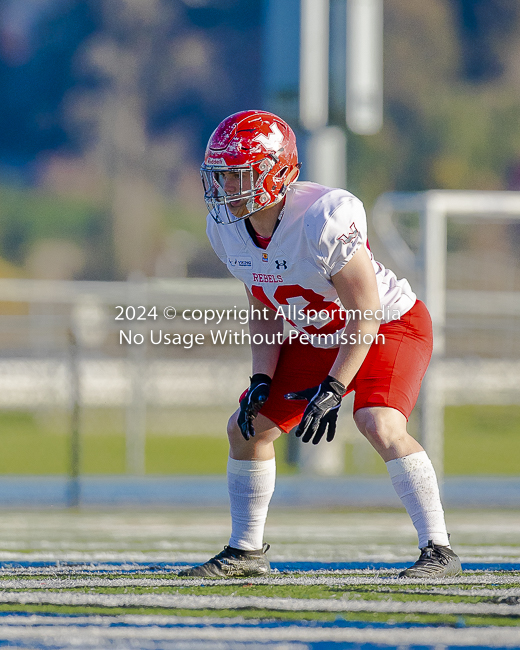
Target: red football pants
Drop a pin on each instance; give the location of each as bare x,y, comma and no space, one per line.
390,375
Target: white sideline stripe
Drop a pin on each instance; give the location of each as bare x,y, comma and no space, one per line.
174,601
340,581
333,577
91,637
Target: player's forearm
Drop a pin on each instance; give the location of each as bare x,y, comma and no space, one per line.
357,289
266,341
351,355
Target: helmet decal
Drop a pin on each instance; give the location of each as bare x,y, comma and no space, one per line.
273,141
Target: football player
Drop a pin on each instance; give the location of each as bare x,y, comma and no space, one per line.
301,250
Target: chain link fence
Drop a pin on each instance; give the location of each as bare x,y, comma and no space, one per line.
110,348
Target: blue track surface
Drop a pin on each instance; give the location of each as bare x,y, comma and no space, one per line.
135,567
211,491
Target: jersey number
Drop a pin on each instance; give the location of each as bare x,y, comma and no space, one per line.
315,303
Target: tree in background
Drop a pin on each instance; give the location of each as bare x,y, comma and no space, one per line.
141,86
38,42
484,27
120,96
161,81
444,128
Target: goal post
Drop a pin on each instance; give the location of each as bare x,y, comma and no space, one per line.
427,263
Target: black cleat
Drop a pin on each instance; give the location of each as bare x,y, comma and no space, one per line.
434,562
232,563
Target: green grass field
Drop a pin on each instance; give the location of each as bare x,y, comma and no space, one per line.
108,579
478,440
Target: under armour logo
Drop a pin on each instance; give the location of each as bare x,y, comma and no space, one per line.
273,141
281,264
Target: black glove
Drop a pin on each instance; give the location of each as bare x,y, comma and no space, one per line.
253,401
321,412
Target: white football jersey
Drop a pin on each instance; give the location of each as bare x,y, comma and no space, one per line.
319,232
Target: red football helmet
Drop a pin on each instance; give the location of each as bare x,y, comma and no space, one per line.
259,149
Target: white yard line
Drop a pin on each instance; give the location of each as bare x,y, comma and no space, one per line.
279,580
341,578
174,601
513,592
94,637
347,576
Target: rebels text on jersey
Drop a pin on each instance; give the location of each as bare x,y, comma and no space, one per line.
320,231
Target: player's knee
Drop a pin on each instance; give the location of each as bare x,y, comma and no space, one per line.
366,423
266,432
233,430
377,425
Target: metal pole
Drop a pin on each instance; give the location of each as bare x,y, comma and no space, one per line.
136,413
434,251
314,64
75,442
434,256
136,406
327,158
364,66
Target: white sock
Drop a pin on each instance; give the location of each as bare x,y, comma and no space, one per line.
415,482
250,487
